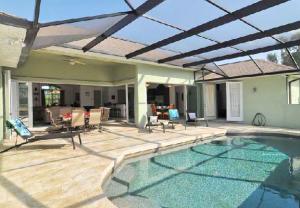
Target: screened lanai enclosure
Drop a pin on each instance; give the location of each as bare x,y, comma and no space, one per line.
215,32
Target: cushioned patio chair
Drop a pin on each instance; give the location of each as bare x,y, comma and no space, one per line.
95,118
22,131
192,118
173,117
77,121
153,121
105,113
55,120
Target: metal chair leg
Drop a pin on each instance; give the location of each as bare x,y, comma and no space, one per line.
79,137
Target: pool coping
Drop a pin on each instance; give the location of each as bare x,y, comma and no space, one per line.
126,158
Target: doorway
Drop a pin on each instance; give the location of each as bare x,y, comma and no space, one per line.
221,100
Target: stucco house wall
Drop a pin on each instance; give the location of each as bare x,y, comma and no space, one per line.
271,99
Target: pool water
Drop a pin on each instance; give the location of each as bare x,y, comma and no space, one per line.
230,172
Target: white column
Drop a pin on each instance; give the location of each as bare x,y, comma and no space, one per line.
172,95
7,100
14,102
140,101
30,105
2,100
127,103
185,100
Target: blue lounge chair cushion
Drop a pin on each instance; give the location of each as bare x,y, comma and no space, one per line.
19,127
173,114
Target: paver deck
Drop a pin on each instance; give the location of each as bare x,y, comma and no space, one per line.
50,173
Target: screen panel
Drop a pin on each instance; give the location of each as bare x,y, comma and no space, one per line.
48,36
145,31
234,60
234,5
9,7
188,44
260,43
289,36
110,46
186,14
276,16
219,52
59,10
241,68
229,31
274,61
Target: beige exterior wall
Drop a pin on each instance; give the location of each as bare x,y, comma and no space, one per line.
271,99
154,74
46,67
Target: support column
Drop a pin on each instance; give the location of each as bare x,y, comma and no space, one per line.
127,103
140,101
2,100
185,100
30,105
172,94
7,103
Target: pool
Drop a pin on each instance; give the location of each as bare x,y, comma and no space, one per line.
247,171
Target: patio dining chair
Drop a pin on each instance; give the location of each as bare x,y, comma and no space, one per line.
77,121
153,121
173,117
104,115
22,131
55,121
95,118
192,118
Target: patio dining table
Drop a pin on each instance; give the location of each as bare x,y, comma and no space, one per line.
162,108
68,117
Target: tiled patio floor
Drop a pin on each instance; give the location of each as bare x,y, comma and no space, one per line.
49,173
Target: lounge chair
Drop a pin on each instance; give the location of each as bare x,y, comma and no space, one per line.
173,117
95,118
153,121
192,118
22,131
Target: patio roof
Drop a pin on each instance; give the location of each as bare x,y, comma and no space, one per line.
193,34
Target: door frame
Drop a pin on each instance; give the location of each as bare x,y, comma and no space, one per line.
14,108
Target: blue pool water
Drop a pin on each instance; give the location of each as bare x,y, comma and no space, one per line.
232,172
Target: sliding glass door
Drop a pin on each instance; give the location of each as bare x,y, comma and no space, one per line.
21,101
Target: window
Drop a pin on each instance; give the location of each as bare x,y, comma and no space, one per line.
294,91
52,95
